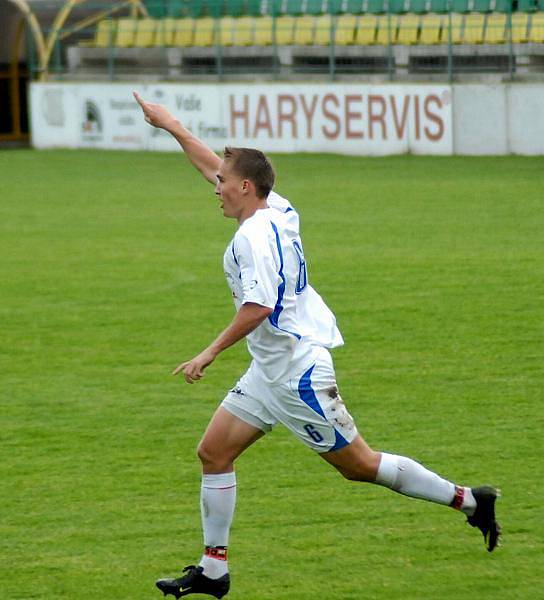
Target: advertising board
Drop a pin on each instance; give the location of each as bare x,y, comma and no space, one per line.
354,119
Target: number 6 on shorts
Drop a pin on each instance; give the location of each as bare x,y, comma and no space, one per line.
313,433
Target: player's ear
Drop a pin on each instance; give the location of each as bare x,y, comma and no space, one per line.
246,186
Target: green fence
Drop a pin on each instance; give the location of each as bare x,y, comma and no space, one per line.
286,38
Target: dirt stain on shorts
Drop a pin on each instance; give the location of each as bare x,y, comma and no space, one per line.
339,412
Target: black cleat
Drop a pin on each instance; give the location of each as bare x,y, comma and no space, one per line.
194,583
484,516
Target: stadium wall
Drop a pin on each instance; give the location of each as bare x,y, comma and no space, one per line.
359,119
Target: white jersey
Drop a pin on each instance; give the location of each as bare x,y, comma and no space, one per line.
264,264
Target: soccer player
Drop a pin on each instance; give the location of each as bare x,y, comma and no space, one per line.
291,380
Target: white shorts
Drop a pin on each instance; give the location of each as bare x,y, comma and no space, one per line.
308,404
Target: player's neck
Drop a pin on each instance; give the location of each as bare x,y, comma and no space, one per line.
251,208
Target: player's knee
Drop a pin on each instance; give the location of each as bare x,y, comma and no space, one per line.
211,458
205,453
349,475
357,475
363,469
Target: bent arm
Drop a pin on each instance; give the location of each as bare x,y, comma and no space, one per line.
248,318
201,156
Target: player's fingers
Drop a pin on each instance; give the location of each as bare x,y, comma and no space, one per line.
138,98
179,369
194,375
189,378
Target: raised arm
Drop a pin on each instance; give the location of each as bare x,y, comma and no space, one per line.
200,155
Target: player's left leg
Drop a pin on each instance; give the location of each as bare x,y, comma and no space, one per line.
358,462
313,409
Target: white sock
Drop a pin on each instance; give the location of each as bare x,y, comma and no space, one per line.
468,505
408,477
217,501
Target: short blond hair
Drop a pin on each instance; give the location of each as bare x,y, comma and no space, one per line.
253,165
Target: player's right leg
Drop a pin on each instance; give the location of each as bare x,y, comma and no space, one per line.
226,437
236,425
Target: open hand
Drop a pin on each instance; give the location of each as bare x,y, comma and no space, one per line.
155,114
193,370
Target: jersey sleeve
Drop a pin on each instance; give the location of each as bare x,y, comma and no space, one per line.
258,272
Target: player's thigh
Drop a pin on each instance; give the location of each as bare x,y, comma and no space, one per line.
225,438
311,407
356,461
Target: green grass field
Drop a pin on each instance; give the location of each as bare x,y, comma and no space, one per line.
111,275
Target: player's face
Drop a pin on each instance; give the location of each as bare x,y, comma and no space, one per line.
230,189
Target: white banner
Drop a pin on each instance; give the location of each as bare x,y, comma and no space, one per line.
344,119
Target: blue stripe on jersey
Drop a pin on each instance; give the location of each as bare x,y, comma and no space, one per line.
274,317
307,395
234,256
